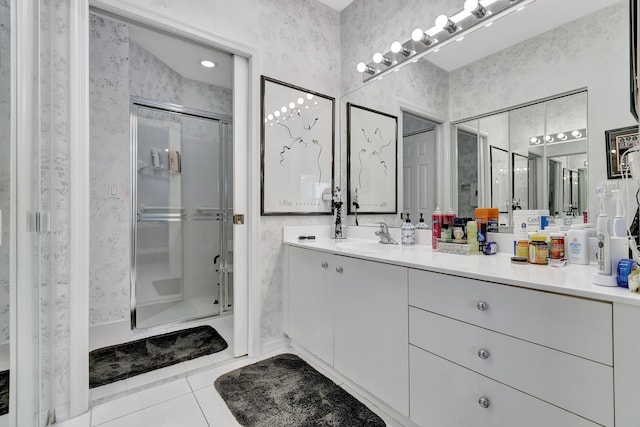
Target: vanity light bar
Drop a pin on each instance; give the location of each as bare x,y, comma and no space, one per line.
570,135
476,14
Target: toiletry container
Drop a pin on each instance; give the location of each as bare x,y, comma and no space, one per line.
578,242
436,223
408,232
421,225
449,217
472,236
538,250
556,247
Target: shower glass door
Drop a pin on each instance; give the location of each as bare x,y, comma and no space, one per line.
180,229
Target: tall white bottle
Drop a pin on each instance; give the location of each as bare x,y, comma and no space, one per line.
603,277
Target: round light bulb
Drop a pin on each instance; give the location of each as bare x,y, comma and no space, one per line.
270,117
361,67
300,101
442,21
396,47
276,113
207,64
377,57
562,136
534,140
471,5
576,134
309,96
292,105
283,109
548,138
417,35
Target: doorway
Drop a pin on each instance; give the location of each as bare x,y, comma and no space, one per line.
419,143
182,265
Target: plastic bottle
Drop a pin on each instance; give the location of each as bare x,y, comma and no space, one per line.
578,244
436,225
472,236
408,232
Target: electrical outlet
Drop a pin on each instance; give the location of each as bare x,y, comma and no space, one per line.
113,191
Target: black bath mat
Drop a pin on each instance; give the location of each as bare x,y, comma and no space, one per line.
117,362
285,391
4,392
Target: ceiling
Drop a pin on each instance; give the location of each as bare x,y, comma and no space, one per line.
338,5
184,57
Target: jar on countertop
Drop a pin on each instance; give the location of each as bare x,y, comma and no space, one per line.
538,250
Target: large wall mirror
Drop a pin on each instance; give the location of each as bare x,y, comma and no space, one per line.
515,127
535,157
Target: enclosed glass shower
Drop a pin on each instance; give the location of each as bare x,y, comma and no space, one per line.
182,259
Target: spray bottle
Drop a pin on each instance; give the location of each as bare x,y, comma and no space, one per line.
603,277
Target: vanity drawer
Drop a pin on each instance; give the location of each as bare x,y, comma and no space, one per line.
444,394
574,325
573,383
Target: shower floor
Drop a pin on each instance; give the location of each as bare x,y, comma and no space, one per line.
161,313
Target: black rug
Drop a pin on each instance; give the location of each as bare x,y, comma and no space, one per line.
285,391
117,362
4,392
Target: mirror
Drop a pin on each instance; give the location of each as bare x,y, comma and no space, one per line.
521,141
523,82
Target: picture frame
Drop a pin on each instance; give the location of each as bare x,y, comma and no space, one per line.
372,161
618,141
297,144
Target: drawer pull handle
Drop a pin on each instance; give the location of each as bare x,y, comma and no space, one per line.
483,354
482,306
339,269
484,402
324,264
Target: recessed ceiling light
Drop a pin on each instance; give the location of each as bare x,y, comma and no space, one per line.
207,64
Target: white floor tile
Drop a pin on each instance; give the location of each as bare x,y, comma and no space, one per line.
171,371
177,412
214,408
206,378
198,363
142,379
137,401
108,389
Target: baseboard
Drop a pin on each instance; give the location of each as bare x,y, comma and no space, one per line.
274,346
83,420
111,333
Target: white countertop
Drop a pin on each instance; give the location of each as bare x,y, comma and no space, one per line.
570,280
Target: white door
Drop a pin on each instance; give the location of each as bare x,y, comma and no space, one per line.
419,157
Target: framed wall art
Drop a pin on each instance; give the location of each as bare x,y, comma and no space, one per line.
618,141
372,161
296,149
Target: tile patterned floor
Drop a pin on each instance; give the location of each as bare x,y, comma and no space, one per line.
189,401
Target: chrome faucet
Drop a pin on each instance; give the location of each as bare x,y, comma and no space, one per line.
384,235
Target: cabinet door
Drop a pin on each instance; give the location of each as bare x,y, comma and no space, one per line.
444,394
371,328
310,301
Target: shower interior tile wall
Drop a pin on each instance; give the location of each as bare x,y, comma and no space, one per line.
119,67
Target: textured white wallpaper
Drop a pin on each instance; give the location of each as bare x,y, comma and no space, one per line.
5,178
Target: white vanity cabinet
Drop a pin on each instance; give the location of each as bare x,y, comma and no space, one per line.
504,347
310,301
352,314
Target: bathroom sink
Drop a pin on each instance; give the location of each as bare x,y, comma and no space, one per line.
362,246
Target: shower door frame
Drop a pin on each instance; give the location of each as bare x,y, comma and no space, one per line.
225,123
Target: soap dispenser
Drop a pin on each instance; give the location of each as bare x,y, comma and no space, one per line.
408,232
421,225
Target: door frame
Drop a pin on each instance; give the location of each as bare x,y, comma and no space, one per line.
246,134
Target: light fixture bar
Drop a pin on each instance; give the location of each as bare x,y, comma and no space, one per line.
476,14
566,136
